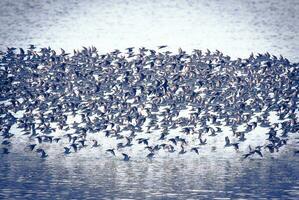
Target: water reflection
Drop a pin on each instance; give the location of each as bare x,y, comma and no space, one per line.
101,178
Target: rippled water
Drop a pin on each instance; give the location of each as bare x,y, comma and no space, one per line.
236,28
101,178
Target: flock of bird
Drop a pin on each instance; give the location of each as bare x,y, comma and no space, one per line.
156,100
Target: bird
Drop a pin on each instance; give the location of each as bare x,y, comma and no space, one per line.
95,143
39,139
150,155
173,140
227,141
6,142
57,139
31,146
195,149
202,142
5,150
126,157
111,151
182,151
162,46
67,150
122,96
257,150
75,147
43,153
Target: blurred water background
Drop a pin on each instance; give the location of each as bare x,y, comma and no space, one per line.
236,28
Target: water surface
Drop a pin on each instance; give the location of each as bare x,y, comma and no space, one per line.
236,28
176,178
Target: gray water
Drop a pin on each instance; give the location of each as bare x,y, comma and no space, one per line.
177,178
235,27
